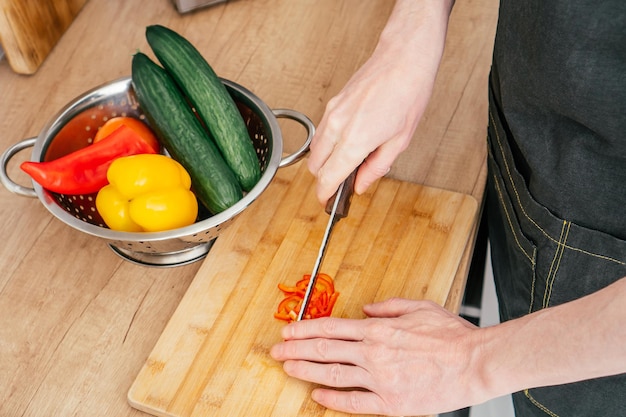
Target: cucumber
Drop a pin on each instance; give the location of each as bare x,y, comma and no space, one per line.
182,134
199,83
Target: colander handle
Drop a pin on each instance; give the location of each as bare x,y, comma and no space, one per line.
310,131
4,176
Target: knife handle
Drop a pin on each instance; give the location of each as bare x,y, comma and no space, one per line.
346,197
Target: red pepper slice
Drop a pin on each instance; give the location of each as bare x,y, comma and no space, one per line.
322,301
85,171
289,306
290,290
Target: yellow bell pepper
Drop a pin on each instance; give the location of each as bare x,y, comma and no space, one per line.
147,193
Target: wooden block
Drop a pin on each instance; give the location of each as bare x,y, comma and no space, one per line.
29,29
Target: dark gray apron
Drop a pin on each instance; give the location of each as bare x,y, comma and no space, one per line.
557,172
539,261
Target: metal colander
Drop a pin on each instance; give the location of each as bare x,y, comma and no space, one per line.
75,126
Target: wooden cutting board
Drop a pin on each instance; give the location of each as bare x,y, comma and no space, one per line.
29,29
400,239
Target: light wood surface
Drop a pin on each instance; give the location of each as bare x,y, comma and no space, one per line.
30,29
76,322
399,240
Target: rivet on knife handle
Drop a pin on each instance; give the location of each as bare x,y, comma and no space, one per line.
344,199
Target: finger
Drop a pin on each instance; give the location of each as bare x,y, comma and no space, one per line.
367,175
394,307
376,165
343,160
327,327
322,161
321,147
331,375
318,350
352,402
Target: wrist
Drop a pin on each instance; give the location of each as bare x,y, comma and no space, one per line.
574,341
496,361
415,33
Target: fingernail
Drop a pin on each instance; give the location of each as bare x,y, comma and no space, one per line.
287,332
361,188
276,351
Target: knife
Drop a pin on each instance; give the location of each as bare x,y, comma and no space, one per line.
337,207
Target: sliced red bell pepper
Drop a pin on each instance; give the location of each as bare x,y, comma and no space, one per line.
321,304
289,305
85,171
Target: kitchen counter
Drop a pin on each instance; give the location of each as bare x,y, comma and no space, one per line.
76,321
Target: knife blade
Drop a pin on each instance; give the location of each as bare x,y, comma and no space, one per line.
337,207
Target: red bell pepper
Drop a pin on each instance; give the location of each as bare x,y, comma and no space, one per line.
85,170
321,304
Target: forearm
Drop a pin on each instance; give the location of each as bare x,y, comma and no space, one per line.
417,24
373,118
413,40
579,340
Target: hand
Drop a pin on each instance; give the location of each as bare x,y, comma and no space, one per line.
410,357
373,118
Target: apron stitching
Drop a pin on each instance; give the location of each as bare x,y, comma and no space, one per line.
550,273
508,218
538,404
534,280
531,220
508,173
519,245
554,267
606,258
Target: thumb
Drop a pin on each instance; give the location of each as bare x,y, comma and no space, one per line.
375,166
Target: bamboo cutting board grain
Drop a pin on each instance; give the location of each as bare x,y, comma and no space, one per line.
400,239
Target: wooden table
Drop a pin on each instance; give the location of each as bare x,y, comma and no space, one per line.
76,321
